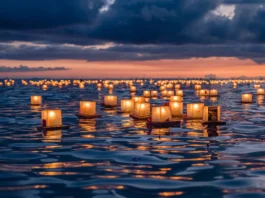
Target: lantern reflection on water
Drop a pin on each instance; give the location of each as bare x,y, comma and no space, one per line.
141,110
195,111
51,118
127,106
35,100
176,109
260,91
246,98
161,114
133,89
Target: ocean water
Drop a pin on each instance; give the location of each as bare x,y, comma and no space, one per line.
115,156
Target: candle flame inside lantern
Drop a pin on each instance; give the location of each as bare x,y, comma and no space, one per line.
51,114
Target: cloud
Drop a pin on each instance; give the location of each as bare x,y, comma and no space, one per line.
23,68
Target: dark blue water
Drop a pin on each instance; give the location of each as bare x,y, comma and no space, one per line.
115,156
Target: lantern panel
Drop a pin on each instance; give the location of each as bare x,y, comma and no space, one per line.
87,108
51,118
176,109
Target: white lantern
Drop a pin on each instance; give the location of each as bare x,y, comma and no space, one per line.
246,98
175,98
176,109
260,91
211,113
87,108
51,118
147,94
127,106
35,100
141,110
195,111
110,100
213,92
161,114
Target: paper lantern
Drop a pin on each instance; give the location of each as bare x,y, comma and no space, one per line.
35,100
154,93
164,93
111,87
256,86
162,88
179,93
147,94
176,108
204,92
133,89
246,98
175,98
81,86
110,100
51,118
197,87
127,106
170,93
260,91
195,111
177,86
87,108
141,110
44,87
211,113
161,114
138,99
260,99
213,92
99,85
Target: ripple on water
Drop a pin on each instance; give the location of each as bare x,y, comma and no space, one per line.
20,156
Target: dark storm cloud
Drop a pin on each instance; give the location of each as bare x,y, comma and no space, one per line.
141,29
23,68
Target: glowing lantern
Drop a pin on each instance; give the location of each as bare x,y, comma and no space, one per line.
211,113
110,87
246,98
147,94
99,85
213,92
175,98
154,93
110,100
260,91
256,86
81,86
195,111
51,118
162,88
133,89
161,114
44,87
87,108
141,110
177,86
35,100
138,99
164,93
176,109
197,87
179,93
204,92
127,106
170,93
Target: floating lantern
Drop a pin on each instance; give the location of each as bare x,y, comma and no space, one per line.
195,111
141,111
197,87
147,94
164,93
87,110
44,87
260,99
256,86
111,87
260,91
133,89
213,92
246,98
179,93
162,88
212,115
177,86
35,100
52,120
127,106
175,98
204,92
176,108
99,85
138,99
170,93
110,101
81,86
154,93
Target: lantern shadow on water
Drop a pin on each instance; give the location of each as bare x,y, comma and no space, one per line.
139,99
260,99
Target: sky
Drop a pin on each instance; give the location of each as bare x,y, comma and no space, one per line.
132,38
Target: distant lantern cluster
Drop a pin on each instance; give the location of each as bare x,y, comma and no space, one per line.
138,106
